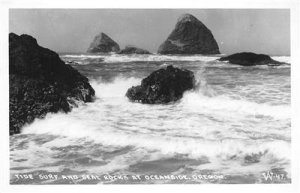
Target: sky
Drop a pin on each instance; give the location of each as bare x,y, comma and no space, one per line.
264,31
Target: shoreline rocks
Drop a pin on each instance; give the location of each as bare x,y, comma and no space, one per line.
133,50
102,43
40,82
190,36
250,59
162,86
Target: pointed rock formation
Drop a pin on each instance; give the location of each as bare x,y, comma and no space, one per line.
190,36
133,50
40,82
102,43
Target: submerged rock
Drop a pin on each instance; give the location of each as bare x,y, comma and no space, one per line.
190,36
102,43
162,86
40,82
250,59
133,50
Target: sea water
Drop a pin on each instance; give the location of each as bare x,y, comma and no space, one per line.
235,127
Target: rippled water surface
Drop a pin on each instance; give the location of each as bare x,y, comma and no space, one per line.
236,124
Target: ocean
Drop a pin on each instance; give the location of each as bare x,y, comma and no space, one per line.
235,127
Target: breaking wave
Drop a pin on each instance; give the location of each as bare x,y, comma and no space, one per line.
205,123
237,121
115,58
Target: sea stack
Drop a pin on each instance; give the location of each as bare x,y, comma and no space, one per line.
102,43
250,59
133,50
162,86
190,36
40,82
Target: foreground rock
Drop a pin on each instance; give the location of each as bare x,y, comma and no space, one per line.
133,50
190,36
102,43
39,82
250,59
162,86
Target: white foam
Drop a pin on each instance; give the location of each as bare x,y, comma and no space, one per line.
81,56
63,125
196,101
116,88
110,58
286,59
202,124
114,121
114,58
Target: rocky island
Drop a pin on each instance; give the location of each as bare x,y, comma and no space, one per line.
190,36
40,82
250,59
102,43
133,50
162,86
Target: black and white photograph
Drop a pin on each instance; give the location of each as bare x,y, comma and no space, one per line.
149,96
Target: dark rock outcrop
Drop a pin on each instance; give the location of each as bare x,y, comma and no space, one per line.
190,36
40,82
250,59
133,50
162,86
102,43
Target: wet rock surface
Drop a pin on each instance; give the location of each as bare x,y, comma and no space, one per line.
162,86
40,82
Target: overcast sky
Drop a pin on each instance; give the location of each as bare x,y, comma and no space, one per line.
235,30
